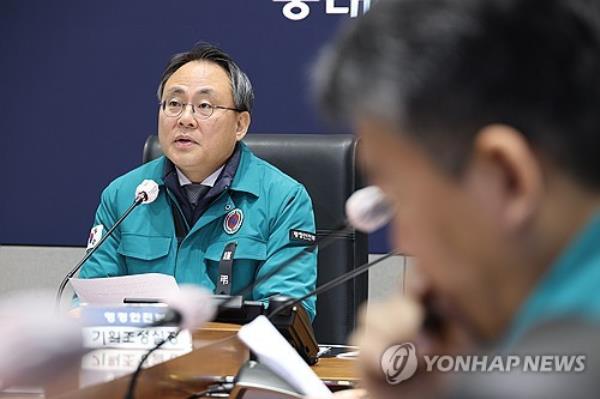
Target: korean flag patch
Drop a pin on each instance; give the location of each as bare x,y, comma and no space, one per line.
95,236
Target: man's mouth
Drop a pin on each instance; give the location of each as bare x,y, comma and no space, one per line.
184,141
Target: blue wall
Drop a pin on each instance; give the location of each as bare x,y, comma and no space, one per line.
78,97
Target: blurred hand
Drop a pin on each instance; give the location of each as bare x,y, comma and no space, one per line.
417,318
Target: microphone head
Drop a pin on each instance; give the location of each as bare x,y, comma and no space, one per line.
148,189
36,344
368,209
194,305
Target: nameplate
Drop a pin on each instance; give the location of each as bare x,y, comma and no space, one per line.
126,359
104,365
123,327
134,315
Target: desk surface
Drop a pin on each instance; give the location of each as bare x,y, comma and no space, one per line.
329,369
216,352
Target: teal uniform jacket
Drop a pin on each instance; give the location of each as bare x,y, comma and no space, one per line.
568,291
272,204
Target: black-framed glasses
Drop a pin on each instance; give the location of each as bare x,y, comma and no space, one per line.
204,110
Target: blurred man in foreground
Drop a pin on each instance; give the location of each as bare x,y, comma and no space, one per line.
480,120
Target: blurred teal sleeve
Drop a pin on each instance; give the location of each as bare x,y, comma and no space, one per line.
295,212
106,262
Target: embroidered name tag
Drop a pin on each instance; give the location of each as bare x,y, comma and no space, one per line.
302,237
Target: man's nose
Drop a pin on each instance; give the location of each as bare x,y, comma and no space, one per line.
186,119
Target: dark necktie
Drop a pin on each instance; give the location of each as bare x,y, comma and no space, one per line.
195,192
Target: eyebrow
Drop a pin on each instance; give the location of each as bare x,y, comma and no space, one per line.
174,91
205,91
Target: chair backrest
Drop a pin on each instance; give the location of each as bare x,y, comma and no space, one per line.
326,165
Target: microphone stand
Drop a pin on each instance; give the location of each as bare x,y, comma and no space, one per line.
138,200
134,378
331,284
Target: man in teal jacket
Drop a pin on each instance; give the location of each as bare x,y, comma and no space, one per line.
215,195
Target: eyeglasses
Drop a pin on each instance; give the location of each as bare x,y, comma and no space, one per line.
204,110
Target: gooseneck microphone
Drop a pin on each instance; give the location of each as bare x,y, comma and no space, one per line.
331,284
367,210
36,345
145,193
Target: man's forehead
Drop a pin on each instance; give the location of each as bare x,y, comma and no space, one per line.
198,77
182,89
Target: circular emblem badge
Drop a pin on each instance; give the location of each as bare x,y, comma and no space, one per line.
233,221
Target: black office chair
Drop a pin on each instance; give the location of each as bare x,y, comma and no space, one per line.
326,165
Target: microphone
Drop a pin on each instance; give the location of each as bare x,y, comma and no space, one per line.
36,345
145,193
331,284
368,209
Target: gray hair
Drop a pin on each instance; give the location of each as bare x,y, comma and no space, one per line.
243,94
441,70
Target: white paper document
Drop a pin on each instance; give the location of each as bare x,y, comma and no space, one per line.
113,290
278,355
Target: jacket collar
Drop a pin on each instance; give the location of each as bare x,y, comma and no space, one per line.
245,180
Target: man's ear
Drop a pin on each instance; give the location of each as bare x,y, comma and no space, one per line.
242,125
505,165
